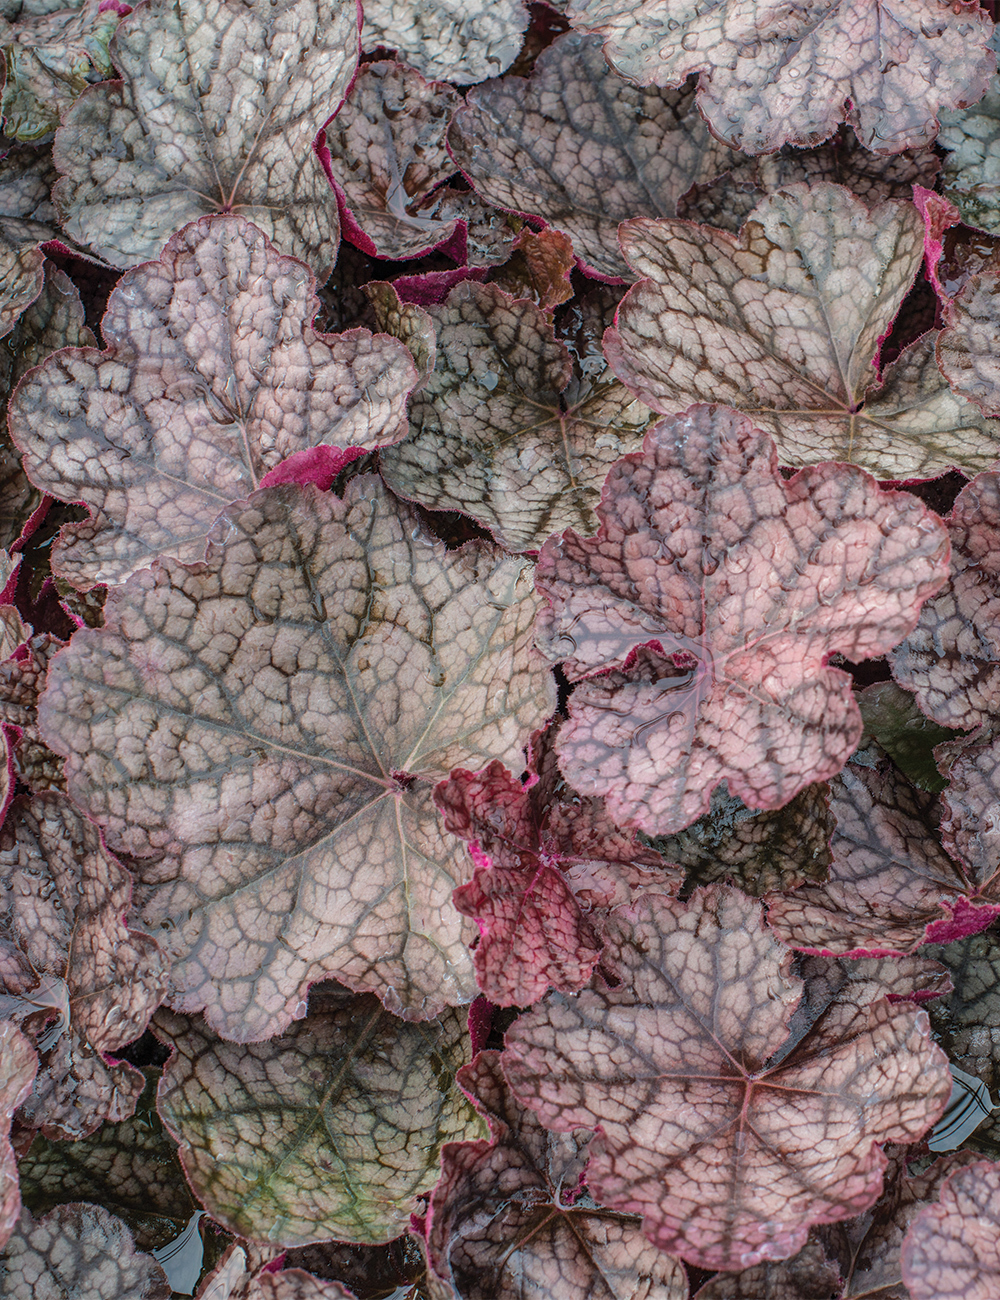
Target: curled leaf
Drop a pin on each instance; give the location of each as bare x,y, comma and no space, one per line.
728,1113
216,111
883,67
698,680
237,1277
538,268
448,39
213,375
330,1131
280,716
951,1251
581,148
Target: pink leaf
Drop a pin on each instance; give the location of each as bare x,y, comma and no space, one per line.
18,1066
952,1250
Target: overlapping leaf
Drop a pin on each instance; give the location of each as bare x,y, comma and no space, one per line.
739,584
729,1113
18,1064
504,1224
771,77
893,720
952,1249
330,1131
966,348
503,429
216,112
971,170
784,323
64,899
448,39
263,732
582,149
27,219
539,268
77,1250
22,681
951,660
236,1277
213,375
809,1275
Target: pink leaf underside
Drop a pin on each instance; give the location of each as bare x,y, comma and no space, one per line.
18,1065
734,1105
884,66
891,884
784,322
951,660
548,865
952,1250
280,717
213,375
582,149
739,584
503,1225
939,216
65,897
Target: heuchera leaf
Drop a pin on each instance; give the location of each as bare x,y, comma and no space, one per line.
213,375
81,1250
771,77
971,169
952,1250
216,112
582,149
237,1278
330,1131
809,1275
892,887
22,681
741,583
504,1223
725,1116
448,39
538,268
756,851
951,660
18,1064
967,347
784,323
64,900
54,320
504,429
892,718
267,728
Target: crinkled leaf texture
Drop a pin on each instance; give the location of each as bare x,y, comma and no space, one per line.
730,1112
213,375
77,1250
582,149
539,268
63,899
453,40
971,170
216,111
739,584
772,75
22,681
504,1223
967,347
951,659
784,322
892,887
809,1275
18,1064
505,429
952,1250
330,1131
263,732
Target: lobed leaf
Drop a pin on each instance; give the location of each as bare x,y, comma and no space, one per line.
213,375
503,429
951,1251
784,323
708,603
330,1131
582,149
771,76
728,1114
216,111
448,39
263,732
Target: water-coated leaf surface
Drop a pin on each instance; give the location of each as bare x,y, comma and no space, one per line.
263,733
952,1250
727,1113
738,584
330,1131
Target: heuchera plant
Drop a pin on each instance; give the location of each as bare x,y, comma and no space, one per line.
499,669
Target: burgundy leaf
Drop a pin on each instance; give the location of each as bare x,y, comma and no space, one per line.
538,268
952,1250
582,149
884,67
212,376
450,39
504,1222
951,659
64,899
263,733
18,1065
727,1114
742,584
141,157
